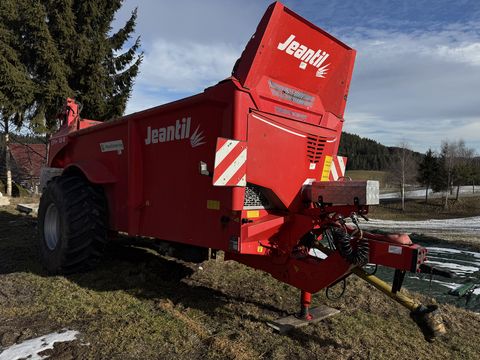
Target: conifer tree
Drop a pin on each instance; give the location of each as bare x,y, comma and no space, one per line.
17,84
53,49
428,170
101,71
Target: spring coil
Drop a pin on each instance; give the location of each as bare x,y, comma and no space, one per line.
343,242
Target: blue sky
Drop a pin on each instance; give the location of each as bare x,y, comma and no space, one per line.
416,78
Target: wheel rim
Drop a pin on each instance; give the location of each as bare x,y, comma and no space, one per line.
51,227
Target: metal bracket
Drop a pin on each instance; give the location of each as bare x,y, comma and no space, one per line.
398,278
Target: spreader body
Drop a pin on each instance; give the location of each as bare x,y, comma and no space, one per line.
241,167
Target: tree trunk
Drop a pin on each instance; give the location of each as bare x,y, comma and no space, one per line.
426,194
7,160
403,196
47,148
458,191
447,190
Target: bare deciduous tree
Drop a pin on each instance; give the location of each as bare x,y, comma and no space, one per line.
448,154
456,159
403,169
463,169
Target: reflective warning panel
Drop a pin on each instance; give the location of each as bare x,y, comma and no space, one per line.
337,169
230,163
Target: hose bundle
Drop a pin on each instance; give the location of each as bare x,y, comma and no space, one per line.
343,242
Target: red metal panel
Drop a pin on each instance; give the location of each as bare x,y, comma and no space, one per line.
285,103
287,51
95,171
397,256
278,156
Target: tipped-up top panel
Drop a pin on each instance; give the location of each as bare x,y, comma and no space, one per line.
289,59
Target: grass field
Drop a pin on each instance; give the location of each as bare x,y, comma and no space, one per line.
417,209
381,176
139,305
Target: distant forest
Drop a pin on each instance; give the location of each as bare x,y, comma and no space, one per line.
367,154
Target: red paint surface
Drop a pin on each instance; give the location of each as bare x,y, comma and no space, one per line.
155,189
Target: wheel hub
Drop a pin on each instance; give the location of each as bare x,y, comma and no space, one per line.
51,227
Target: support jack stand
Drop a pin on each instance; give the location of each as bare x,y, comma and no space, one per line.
305,317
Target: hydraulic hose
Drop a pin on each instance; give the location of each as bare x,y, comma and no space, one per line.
343,241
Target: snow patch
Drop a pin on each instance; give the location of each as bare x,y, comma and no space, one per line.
450,285
457,268
420,193
459,261
30,349
469,225
440,250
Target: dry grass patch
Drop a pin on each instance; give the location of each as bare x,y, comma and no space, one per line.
139,305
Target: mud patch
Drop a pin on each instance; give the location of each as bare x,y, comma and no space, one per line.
16,291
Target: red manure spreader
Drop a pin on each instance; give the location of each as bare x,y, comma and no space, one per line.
248,167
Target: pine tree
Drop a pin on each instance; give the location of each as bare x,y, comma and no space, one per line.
53,49
16,86
43,61
428,170
100,74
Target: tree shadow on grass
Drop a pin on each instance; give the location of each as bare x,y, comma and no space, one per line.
126,266
17,244
134,267
147,275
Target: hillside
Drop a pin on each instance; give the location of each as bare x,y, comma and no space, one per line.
366,154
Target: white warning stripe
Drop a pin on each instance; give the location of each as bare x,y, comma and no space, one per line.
333,170
232,169
341,164
278,127
243,181
223,152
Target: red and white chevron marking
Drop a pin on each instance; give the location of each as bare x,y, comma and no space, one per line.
230,163
337,170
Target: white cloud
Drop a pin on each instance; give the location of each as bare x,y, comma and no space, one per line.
416,78
205,21
468,53
422,86
188,45
186,66
143,99
173,70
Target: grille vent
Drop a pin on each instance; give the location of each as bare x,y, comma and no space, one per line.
315,147
254,198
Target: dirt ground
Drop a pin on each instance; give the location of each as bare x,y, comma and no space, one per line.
139,305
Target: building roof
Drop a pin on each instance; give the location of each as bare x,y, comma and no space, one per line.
29,158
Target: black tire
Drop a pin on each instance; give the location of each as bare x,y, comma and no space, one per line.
72,224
